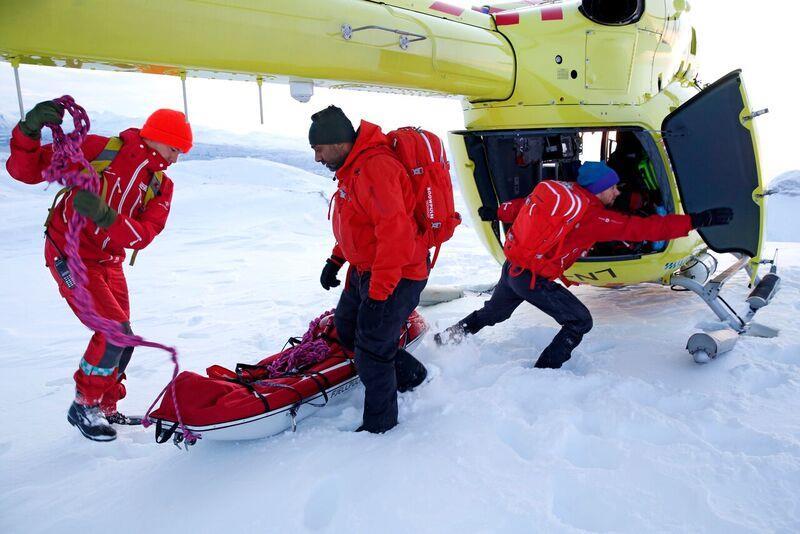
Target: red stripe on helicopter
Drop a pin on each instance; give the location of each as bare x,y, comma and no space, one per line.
447,8
506,19
552,13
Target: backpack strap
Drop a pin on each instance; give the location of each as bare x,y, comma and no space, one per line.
153,188
61,192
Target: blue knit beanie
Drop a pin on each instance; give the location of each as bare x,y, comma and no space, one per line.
596,176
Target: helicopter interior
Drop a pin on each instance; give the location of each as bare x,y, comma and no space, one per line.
508,165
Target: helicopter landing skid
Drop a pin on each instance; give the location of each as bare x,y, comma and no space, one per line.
705,346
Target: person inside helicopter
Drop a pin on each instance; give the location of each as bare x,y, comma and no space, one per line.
515,163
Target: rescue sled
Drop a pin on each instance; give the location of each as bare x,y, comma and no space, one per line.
245,403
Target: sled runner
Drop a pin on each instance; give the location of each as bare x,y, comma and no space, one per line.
270,397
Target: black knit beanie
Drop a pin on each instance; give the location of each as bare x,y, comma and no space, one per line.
330,126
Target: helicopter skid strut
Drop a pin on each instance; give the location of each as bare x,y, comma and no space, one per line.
705,346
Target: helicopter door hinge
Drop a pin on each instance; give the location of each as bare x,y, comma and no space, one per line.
755,114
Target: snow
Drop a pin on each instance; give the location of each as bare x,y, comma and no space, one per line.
782,206
630,436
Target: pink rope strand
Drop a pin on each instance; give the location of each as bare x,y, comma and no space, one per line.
308,352
67,152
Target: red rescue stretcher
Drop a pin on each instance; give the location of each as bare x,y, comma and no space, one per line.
243,404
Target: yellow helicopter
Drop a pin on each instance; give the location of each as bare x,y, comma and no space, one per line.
545,85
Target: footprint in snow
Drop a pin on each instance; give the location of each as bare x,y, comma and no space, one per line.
322,504
517,437
590,452
757,379
735,437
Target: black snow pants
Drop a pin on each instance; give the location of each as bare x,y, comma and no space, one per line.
381,366
552,298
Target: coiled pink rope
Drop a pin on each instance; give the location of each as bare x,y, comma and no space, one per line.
66,152
308,352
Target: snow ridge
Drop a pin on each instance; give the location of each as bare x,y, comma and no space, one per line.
787,183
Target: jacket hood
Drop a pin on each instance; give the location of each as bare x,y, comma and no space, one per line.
368,136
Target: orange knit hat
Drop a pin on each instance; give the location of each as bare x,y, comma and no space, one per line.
170,127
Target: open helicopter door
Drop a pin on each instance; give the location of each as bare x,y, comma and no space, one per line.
711,142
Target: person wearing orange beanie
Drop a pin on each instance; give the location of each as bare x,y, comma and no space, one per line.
130,211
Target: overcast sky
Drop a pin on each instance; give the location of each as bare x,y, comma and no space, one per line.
758,37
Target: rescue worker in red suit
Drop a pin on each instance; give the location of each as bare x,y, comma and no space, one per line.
116,220
597,185
375,232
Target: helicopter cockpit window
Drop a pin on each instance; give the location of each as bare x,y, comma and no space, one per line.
508,165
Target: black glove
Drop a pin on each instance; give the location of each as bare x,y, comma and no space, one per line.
370,314
711,217
47,112
328,278
92,206
487,213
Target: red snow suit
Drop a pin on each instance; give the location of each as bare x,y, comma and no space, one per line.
373,215
102,250
596,225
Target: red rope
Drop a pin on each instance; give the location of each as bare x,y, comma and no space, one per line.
67,152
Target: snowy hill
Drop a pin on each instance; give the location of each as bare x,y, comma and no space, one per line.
630,436
783,205
209,144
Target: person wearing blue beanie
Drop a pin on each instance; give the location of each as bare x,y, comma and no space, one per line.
538,253
596,176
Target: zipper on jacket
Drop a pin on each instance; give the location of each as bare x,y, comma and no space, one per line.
136,204
130,184
330,204
114,187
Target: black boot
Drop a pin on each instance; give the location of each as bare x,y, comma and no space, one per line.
91,423
409,370
452,335
559,350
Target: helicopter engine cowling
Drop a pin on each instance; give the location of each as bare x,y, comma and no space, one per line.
613,12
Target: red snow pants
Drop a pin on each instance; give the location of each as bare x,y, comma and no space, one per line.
98,379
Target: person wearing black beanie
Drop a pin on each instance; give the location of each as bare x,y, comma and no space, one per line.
373,222
331,136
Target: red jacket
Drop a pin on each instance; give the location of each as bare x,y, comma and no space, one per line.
373,218
596,225
128,177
